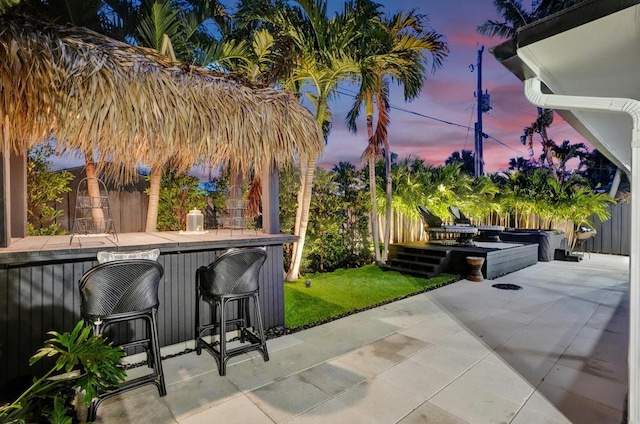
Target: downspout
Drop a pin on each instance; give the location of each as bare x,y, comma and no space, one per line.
533,92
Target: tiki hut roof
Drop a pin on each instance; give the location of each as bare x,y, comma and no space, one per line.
131,104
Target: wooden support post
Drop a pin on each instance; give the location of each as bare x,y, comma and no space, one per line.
270,200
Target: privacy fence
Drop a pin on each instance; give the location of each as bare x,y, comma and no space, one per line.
613,235
129,210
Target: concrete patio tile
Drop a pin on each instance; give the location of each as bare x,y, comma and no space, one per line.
421,380
476,304
403,317
370,330
299,357
445,320
509,314
445,359
579,409
530,306
589,386
133,407
570,310
248,376
467,343
187,366
529,363
380,401
428,413
465,317
401,344
607,318
547,330
281,343
196,394
427,332
331,411
475,403
238,410
494,331
335,344
310,333
420,304
500,380
598,358
371,359
539,404
286,398
530,415
335,376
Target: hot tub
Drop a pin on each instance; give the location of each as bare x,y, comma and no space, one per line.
548,240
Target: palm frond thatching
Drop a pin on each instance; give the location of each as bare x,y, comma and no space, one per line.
131,104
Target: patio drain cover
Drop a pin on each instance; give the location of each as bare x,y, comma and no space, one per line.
507,286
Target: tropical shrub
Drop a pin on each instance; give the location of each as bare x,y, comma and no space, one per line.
44,190
179,193
97,367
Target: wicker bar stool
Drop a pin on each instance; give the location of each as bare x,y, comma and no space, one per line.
232,277
121,291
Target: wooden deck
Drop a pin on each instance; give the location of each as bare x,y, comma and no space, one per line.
500,258
39,285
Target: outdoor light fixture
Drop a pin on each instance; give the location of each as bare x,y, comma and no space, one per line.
307,283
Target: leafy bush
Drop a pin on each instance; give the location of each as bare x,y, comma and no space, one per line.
44,188
179,193
98,368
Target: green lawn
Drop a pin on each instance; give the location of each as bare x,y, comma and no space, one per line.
348,290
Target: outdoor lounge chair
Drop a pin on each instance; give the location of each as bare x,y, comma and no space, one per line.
433,225
489,233
458,217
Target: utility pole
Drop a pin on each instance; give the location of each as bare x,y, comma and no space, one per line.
484,105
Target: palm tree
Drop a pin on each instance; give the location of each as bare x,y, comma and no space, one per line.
86,13
515,16
175,30
394,50
318,46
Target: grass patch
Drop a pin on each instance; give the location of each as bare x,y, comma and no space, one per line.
345,291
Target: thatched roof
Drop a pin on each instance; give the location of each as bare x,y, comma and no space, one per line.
132,104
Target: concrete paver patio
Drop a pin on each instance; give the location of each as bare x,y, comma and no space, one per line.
553,352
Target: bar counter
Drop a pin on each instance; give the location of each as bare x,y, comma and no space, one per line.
39,285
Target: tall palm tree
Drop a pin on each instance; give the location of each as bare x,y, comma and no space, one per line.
319,51
396,50
515,16
174,29
86,13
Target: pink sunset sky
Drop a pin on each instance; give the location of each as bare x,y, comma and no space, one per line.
449,95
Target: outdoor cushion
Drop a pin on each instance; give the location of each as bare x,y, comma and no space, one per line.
119,256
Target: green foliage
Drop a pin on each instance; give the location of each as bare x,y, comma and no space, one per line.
44,189
348,290
7,4
97,365
179,193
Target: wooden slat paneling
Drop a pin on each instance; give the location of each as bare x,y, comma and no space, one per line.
37,298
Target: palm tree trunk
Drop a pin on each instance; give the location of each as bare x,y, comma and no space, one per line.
387,228
154,199
296,226
373,190
93,189
304,203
